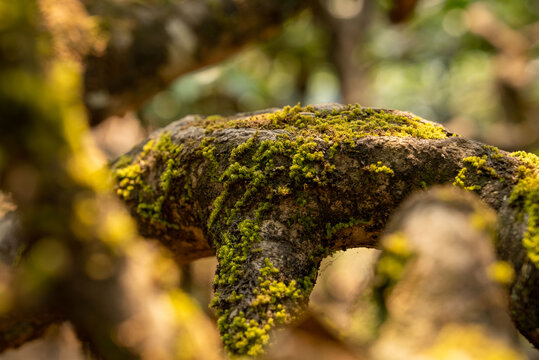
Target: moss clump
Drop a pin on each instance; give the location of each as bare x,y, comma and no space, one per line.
477,168
337,126
526,193
130,175
494,152
332,229
379,168
248,337
208,152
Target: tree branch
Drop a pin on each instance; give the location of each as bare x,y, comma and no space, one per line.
441,285
272,193
130,51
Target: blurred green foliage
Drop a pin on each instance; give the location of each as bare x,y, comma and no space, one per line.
432,65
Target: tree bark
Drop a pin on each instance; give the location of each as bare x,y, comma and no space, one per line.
272,193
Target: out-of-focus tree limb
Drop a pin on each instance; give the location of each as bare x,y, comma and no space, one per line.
347,27
513,74
131,50
441,283
82,259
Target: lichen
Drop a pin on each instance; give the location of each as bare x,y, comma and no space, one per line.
526,194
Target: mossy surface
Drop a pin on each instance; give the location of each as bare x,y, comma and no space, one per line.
390,269
526,193
336,126
131,184
273,193
284,157
477,171
260,173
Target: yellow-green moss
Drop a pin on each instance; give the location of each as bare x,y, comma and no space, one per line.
526,192
336,126
248,337
380,168
477,167
332,229
252,168
130,184
208,152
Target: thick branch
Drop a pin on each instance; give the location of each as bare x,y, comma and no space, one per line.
272,193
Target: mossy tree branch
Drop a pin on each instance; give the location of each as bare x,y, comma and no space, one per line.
272,193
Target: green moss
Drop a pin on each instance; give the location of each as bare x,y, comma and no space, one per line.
248,337
477,169
526,193
130,175
480,164
312,139
494,152
337,126
380,168
332,229
123,161
208,152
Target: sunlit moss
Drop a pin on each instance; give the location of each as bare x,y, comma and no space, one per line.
476,168
526,192
131,185
380,168
309,134
243,336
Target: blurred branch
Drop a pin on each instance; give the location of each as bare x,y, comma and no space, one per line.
347,24
132,50
82,260
447,290
402,10
513,74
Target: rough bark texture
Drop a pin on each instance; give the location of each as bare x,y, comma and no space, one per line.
272,193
